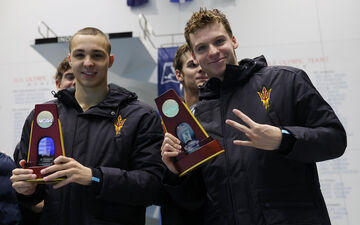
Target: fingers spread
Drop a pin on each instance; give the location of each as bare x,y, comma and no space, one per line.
238,126
244,117
243,143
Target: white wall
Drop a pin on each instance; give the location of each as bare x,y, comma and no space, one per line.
320,36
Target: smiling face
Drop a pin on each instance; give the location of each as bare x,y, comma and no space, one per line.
67,80
90,60
191,74
213,48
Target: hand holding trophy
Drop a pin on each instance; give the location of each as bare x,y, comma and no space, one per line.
46,140
196,145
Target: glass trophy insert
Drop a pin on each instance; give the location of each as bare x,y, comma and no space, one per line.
46,140
187,137
46,150
197,146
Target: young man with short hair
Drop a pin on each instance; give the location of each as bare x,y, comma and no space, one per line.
112,166
64,76
189,74
274,127
192,77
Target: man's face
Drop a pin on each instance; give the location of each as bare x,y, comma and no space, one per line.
191,74
67,80
90,61
214,48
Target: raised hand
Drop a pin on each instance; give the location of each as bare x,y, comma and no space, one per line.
261,136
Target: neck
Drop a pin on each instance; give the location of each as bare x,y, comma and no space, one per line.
88,97
191,97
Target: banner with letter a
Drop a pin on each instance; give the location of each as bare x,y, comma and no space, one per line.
166,71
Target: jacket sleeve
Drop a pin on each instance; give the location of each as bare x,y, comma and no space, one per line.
141,184
9,210
318,133
21,152
187,192
21,149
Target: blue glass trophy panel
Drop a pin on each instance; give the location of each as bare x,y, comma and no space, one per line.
187,137
46,150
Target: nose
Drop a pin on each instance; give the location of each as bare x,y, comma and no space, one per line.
88,61
213,50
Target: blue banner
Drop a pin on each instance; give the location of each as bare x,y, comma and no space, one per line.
180,1
166,72
136,2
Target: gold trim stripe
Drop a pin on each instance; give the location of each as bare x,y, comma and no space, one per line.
183,173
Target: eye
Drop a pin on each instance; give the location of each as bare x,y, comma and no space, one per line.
200,48
98,56
69,76
220,41
78,55
191,64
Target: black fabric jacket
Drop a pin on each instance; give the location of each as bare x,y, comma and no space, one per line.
9,209
129,163
249,186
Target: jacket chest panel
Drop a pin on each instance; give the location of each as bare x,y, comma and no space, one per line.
98,134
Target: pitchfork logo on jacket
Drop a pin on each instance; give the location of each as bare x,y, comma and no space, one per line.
118,123
265,96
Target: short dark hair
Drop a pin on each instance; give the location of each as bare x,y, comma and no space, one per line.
92,31
178,62
62,68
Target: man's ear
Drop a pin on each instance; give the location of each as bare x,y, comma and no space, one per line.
69,59
179,76
235,43
111,60
58,85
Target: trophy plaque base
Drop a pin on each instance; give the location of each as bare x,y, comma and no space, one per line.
40,176
186,163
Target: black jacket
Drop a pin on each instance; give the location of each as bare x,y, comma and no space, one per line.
249,186
129,162
9,209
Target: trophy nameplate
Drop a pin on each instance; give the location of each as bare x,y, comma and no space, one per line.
46,141
197,146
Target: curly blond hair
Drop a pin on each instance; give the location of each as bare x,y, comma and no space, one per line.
205,17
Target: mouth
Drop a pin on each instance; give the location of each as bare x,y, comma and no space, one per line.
220,60
201,78
89,74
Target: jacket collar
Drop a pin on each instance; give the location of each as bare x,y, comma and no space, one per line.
233,76
115,97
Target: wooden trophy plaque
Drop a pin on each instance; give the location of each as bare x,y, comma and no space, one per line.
46,140
197,145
